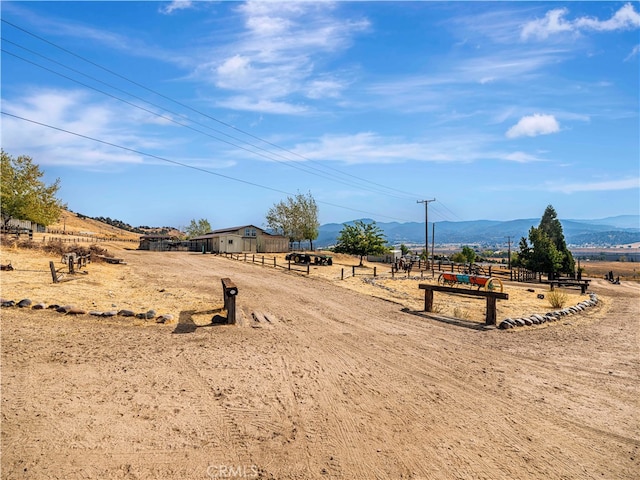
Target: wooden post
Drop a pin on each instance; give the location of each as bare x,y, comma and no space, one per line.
491,311
353,270
374,271
71,263
342,274
428,300
263,260
308,268
54,275
229,291
274,262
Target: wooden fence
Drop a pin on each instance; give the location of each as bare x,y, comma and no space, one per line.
419,268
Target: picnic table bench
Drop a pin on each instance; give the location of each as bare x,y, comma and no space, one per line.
569,282
491,297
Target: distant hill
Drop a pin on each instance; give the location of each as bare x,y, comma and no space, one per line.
619,230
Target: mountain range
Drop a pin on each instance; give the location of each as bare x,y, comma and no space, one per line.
619,230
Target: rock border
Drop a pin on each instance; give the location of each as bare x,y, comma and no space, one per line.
537,319
72,310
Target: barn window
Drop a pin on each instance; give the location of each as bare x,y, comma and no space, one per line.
249,232
231,241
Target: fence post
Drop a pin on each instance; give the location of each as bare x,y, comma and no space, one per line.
289,264
353,270
54,275
308,264
374,272
342,274
71,263
229,291
274,262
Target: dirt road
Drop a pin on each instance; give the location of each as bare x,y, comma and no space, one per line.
329,384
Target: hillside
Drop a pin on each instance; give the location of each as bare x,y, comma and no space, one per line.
72,223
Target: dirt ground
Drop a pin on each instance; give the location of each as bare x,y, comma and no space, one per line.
315,381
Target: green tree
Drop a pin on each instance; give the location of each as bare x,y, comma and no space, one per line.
469,254
295,218
550,225
361,239
541,256
24,196
546,251
404,249
201,227
307,211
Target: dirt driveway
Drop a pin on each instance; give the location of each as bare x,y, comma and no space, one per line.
329,384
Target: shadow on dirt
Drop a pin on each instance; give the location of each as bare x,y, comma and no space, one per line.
187,324
458,322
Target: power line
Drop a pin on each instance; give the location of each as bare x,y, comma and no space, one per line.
405,194
267,154
172,120
186,165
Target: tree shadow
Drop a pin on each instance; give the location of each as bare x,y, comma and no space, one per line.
186,323
458,322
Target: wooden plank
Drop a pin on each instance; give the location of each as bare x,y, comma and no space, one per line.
463,291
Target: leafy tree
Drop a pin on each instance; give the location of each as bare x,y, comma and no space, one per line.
200,227
24,196
295,218
404,249
550,224
546,251
469,254
361,239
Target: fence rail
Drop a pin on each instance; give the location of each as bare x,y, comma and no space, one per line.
415,268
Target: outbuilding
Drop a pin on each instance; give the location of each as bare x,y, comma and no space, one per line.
243,239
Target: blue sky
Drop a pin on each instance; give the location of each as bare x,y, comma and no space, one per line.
163,112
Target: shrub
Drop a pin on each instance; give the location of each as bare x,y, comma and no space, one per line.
557,299
461,313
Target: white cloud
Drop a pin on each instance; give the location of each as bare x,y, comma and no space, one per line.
534,125
550,24
634,53
520,157
278,54
253,104
77,112
372,148
175,5
604,186
626,18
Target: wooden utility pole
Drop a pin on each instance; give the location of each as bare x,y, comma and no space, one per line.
509,257
426,226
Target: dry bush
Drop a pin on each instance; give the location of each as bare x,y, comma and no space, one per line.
459,312
557,299
58,248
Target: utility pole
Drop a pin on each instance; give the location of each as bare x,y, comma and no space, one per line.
509,258
426,225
